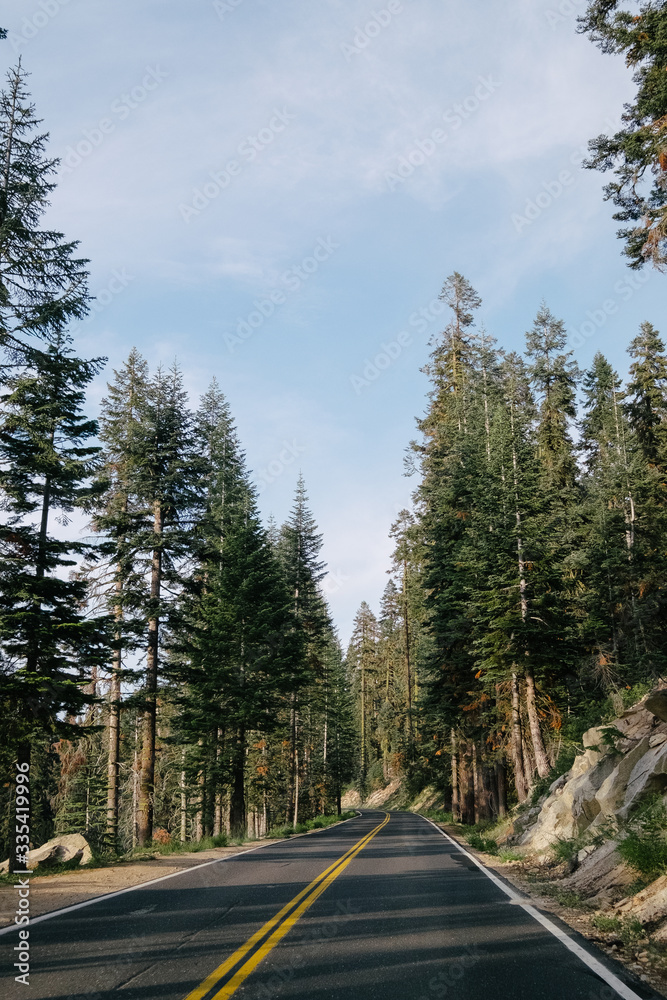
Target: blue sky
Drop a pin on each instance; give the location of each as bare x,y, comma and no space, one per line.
273,193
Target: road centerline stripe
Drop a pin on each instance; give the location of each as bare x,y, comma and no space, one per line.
268,936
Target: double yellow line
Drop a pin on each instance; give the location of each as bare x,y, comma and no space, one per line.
268,936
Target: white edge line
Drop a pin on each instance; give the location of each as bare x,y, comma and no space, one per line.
152,881
597,967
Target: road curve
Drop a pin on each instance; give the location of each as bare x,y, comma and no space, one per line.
380,908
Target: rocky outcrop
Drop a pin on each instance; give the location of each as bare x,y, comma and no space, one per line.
601,876
351,799
379,797
620,765
648,906
70,847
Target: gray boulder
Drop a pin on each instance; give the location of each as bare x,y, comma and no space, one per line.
69,847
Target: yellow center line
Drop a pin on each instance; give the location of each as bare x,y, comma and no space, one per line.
289,915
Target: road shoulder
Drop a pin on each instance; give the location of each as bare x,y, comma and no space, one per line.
578,918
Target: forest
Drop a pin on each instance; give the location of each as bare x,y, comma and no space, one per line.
172,673
526,601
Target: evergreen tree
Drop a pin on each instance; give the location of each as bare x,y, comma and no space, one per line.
340,737
554,378
298,549
47,642
167,491
237,632
609,501
647,391
119,581
647,412
637,153
42,284
362,666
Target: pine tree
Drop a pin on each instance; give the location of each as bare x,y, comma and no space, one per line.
554,378
647,412
393,675
647,391
299,547
610,485
637,153
362,666
167,491
47,642
238,639
340,743
119,581
42,284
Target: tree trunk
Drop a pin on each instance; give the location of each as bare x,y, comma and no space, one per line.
363,731
491,785
184,802
291,795
113,727
456,803
501,786
476,785
528,765
408,665
147,775
237,810
466,792
541,758
295,817
517,742
217,818
135,784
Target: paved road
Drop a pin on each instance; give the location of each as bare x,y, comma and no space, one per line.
403,915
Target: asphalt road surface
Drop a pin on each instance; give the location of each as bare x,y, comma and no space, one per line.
383,907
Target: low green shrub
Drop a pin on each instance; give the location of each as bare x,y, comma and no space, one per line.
632,933
507,854
480,843
607,924
565,849
318,823
644,848
437,815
